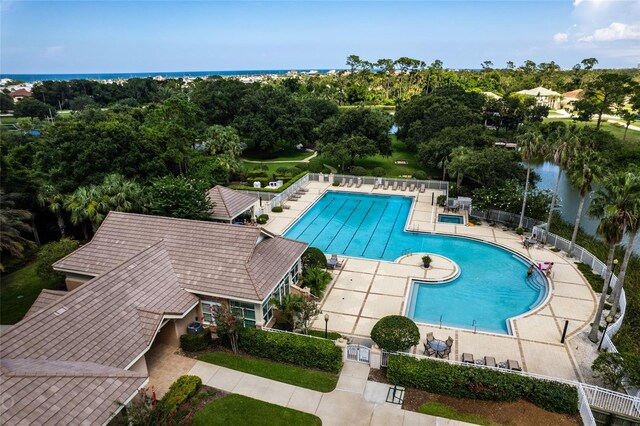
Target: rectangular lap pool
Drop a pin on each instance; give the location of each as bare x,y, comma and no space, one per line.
451,218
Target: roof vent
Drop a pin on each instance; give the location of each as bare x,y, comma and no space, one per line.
61,311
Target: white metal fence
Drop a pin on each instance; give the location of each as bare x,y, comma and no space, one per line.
273,330
371,180
503,217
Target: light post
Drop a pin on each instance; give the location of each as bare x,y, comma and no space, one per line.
608,320
613,271
326,325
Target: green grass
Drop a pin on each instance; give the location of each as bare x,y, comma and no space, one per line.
297,376
400,152
241,410
272,166
381,107
330,335
448,412
595,280
18,292
291,155
632,135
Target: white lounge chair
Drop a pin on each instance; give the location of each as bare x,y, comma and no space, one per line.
350,184
386,185
376,184
422,188
343,181
404,186
395,185
412,187
359,183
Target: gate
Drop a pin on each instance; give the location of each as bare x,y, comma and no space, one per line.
358,353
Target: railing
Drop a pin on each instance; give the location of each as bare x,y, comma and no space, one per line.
272,199
370,180
273,330
503,217
588,395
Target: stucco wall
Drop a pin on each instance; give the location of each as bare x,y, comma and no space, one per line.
140,366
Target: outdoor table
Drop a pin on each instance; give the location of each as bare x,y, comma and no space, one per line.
332,262
438,345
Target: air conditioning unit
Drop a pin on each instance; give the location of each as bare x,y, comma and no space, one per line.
195,328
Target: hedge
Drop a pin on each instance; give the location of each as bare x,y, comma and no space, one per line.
195,342
262,219
179,392
294,349
293,180
481,383
276,209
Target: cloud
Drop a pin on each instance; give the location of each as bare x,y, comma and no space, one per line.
576,3
561,37
614,32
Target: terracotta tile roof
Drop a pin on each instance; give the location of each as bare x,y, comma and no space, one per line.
62,392
20,92
207,257
576,94
45,298
229,203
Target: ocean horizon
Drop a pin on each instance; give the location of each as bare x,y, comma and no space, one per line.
31,78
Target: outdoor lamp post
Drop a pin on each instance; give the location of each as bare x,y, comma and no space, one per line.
608,320
326,325
613,271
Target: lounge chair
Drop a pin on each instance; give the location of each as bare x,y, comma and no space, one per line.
467,357
490,361
386,185
350,184
423,188
376,184
359,183
412,187
513,365
449,342
428,351
430,337
404,186
343,181
395,185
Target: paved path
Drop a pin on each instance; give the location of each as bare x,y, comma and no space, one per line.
355,401
305,160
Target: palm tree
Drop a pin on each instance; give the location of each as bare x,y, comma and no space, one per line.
530,144
608,204
288,308
561,149
49,196
316,280
84,205
586,170
459,157
631,219
12,225
120,194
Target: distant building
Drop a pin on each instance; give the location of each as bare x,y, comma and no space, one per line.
544,97
491,95
570,98
20,94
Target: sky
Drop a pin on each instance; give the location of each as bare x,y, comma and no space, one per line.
50,36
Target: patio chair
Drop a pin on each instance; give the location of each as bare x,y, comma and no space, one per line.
490,361
376,184
343,181
395,185
467,357
386,185
412,187
430,337
359,183
423,188
449,342
513,365
445,353
350,184
428,351
404,186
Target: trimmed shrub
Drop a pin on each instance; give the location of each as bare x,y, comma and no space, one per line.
519,230
284,171
292,348
395,333
195,342
179,392
378,172
359,171
420,175
293,180
302,167
480,383
263,218
314,258
441,200
335,183
426,261
256,173
315,166
276,209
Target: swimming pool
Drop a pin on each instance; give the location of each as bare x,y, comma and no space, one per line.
490,289
451,218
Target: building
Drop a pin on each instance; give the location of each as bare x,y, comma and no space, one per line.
544,97
570,98
78,355
20,94
229,204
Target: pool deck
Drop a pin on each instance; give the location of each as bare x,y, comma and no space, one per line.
363,291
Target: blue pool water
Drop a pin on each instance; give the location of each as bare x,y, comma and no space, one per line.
450,218
492,285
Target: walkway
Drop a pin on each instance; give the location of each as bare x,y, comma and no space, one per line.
304,160
355,401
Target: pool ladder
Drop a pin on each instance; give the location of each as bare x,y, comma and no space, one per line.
474,324
406,251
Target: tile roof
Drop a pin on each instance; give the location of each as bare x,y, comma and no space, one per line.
83,341
229,203
208,257
576,94
20,92
45,298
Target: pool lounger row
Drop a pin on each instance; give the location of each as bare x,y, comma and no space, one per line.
490,361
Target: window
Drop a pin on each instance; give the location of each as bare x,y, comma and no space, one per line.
267,311
247,311
206,306
294,273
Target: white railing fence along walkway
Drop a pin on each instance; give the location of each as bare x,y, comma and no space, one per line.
503,217
370,180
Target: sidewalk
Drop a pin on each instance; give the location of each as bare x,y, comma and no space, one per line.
355,401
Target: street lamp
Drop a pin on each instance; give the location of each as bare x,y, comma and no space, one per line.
613,271
608,320
326,325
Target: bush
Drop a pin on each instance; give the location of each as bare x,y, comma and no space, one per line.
316,280
179,392
302,167
359,171
51,253
426,261
395,333
263,218
519,230
441,200
480,383
195,342
256,173
335,183
276,209
378,172
292,348
315,166
313,258
614,368
291,181
284,171
420,175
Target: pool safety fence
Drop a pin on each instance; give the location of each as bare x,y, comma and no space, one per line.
506,218
371,180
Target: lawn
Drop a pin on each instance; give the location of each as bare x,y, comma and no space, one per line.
632,135
18,292
400,152
272,166
241,410
442,410
290,155
305,378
